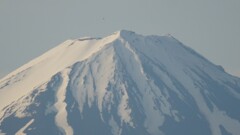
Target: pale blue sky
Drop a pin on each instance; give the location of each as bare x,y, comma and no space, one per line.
30,27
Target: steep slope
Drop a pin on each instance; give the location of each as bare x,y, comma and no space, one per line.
123,84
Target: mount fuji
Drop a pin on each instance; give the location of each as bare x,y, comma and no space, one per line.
123,84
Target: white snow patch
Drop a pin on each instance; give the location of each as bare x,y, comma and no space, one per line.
215,118
154,119
92,78
60,105
123,109
21,131
41,69
1,133
115,128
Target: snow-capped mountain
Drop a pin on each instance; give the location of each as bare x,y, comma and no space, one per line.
123,84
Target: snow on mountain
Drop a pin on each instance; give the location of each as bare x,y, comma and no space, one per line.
122,84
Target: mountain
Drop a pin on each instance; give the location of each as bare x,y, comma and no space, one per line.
123,84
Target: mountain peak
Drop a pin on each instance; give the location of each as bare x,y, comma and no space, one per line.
121,84
124,33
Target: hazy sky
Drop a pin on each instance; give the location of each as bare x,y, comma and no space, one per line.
30,27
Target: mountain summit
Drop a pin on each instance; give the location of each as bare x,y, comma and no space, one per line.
123,84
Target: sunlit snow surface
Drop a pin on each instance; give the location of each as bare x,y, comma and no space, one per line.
123,84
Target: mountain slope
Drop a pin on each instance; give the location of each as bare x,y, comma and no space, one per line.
121,84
